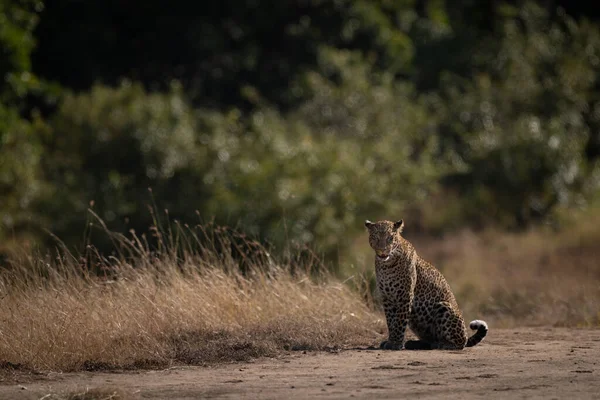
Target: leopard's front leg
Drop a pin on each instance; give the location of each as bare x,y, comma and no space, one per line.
397,287
397,312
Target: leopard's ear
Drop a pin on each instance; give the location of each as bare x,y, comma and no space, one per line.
369,224
399,226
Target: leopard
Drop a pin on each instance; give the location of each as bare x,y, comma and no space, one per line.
415,294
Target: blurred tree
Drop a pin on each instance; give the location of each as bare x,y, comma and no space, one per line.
297,119
18,20
519,127
19,149
307,176
215,49
105,149
362,147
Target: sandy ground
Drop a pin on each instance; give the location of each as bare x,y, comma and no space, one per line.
518,363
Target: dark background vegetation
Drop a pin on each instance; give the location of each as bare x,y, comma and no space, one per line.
295,120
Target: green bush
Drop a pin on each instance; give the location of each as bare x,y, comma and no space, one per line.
519,130
20,180
471,115
362,148
108,147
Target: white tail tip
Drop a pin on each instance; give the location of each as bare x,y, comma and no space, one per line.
476,324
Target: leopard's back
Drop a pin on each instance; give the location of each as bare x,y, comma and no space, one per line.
431,290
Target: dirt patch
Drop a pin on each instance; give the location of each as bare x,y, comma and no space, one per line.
532,362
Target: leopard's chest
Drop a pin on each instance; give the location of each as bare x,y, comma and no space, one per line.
392,281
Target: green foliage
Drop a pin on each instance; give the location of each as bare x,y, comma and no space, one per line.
296,120
17,22
361,147
519,128
308,176
106,148
20,150
20,183
216,50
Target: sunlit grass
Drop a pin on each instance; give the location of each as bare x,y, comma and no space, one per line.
187,304
209,294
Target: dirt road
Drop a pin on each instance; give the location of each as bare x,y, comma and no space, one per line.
520,363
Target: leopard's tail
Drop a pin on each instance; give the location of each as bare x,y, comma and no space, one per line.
481,329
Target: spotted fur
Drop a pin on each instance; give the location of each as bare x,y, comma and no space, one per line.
416,295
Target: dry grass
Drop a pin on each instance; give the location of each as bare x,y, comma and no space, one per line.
533,278
154,309
193,303
527,279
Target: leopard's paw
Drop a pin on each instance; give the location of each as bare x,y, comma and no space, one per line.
389,345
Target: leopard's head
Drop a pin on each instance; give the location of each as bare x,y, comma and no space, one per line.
384,237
